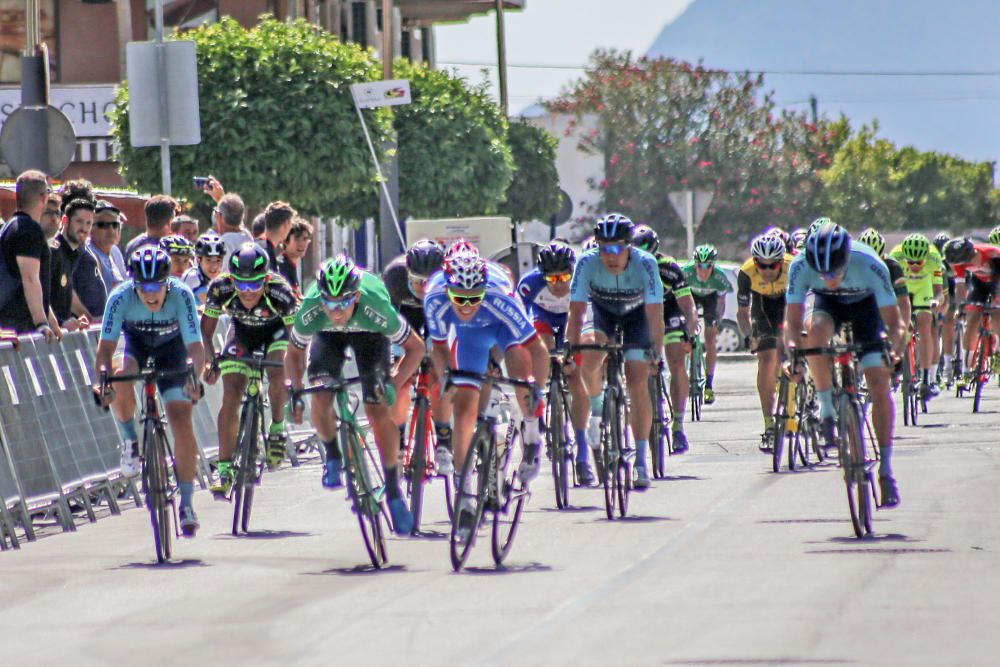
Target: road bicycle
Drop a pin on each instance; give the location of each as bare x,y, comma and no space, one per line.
659,432
910,383
786,425
365,482
696,377
488,481
983,362
559,429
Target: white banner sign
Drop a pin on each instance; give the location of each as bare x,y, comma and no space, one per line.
490,235
381,93
85,106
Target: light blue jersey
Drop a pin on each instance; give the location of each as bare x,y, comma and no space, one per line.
178,318
638,285
866,275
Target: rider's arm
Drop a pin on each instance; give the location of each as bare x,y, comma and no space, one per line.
893,325
103,356
793,323
686,304
539,359
208,327
574,322
743,284
721,308
654,318
197,353
295,364
413,352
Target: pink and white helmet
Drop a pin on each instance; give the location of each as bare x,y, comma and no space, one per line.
466,271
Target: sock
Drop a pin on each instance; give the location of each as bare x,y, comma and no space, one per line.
826,408
531,433
933,370
676,421
332,449
640,451
768,422
946,360
581,445
708,380
470,482
276,427
885,461
443,430
392,482
126,429
596,405
187,491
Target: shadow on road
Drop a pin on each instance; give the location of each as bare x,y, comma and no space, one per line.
639,518
513,568
762,661
174,564
569,510
360,571
430,535
264,535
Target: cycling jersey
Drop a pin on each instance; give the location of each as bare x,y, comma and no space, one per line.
126,312
373,313
397,283
548,311
716,284
637,285
985,266
674,286
750,281
896,276
276,306
931,272
866,275
196,279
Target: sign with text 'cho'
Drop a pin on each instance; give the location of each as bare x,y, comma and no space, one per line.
84,106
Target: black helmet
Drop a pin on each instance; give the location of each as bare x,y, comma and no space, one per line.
250,263
959,250
149,264
644,237
613,227
828,248
556,257
424,257
209,245
940,240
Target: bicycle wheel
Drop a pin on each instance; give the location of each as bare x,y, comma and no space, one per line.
475,470
609,454
156,483
695,395
981,365
557,442
365,498
658,442
417,468
780,424
244,478
799,442
853,461
511,498
623,471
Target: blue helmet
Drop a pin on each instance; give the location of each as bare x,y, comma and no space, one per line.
149,264
828,247
613,227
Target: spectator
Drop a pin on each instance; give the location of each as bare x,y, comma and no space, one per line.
51,215
181,253
186,226
278,217
257,227
295,249
78,292
103,244
29,261
77,189
160,210
209,252
227,217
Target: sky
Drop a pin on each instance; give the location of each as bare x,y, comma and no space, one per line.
552,33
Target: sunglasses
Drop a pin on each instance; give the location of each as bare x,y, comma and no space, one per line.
340,304
465,299
558,278
249,285
767,266
612,248
834,275
416,280
912,263
151,288
105,224
708,265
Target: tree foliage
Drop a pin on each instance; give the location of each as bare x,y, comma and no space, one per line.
666,125
277,120
534,192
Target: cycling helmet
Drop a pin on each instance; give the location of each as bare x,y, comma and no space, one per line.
815,224
338,276
798,238
589,243
959,250
175,244
994,237
459,247
424,257
916,247
828,248
767,247
149,264
249,263
556,257
466,272
940,240
706,253
209,245
874,240
781,234
613,227
645,238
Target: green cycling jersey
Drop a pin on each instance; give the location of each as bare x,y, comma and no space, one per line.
717,282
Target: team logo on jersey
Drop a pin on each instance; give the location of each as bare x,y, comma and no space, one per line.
378,318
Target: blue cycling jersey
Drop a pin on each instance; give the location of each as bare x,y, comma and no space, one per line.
867,275
496,275
619,294
539,300
499,306
177,318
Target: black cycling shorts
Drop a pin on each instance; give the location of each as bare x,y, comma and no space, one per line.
980,291
767,316
371,352
709,307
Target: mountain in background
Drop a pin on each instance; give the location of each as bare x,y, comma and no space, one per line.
950,114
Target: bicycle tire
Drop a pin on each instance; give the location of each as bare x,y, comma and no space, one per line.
475,464
695,392
363,498
852,458
156,482
417,469
257,465
982,361
801,443
658,431
609,459
506,518
557,445
780,423
242,486
623,472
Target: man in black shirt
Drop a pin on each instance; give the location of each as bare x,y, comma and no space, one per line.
78,292
278,218
28,258
295,249
160,210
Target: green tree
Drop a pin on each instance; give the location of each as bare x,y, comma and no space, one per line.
534,193
277,120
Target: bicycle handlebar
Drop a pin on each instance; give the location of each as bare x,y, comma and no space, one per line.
256,363
482,377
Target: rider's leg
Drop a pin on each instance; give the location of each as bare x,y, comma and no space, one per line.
675,353
925,342
711,354
233,385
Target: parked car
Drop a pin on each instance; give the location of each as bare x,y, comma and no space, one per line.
729,338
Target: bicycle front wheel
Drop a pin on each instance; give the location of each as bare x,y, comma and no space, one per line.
982,368
367,502
512,495
658,442
417,469
156,480
852,450
623,473
246,450
470,497
609,455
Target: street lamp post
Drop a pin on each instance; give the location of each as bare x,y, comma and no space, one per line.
502,58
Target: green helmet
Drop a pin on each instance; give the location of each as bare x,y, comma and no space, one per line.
871,238
816,224
994,238
706,253
916,247
338,276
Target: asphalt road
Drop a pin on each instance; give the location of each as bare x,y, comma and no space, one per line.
725,563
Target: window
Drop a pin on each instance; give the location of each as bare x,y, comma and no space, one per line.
181,14
12,34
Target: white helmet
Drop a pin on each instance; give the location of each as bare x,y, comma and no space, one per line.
768,247
466,271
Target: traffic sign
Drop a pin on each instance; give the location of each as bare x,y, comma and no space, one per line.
25,126
183,114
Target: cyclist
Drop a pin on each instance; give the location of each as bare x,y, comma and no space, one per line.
850,284
622,284
797,241
544,291
946,319
977,270
924,273
406,280
181,253
470,311
709,287
261,305
350,307
872,238
209,250
760,296
159,318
